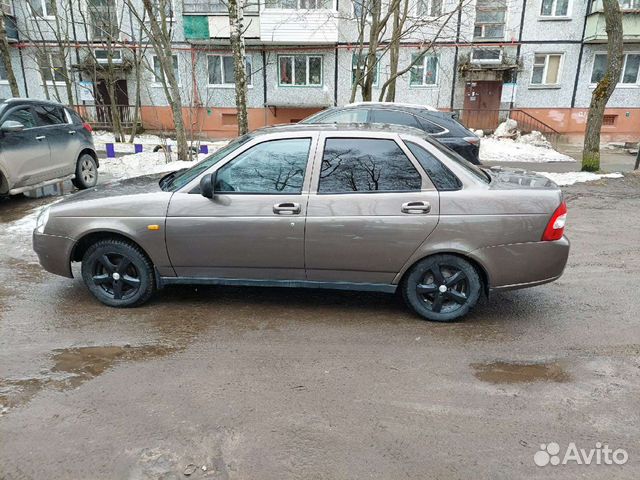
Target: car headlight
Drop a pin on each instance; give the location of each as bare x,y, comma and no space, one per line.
42,220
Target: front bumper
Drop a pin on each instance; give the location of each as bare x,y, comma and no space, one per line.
54,253
522,265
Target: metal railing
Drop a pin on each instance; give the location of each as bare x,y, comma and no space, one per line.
488,120
100,116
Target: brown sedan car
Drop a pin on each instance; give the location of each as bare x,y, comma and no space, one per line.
362,207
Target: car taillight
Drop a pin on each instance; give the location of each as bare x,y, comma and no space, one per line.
472,140
555,227
87,127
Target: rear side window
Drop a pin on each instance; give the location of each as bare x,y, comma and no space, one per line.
75,117
271,167
352,165
49,115
430,127
440,175
23,116
395,117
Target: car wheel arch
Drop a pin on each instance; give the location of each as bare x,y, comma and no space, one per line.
90,238
91,152
477,264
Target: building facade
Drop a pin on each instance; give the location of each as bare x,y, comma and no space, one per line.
541,57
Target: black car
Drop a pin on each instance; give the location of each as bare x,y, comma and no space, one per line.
441,126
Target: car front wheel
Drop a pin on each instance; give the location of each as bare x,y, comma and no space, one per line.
118,273
442,288
86,172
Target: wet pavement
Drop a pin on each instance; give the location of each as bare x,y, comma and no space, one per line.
277,383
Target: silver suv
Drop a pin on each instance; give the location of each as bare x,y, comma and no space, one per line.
43,143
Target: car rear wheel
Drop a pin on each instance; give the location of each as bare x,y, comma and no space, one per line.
442,288
118,273
86,172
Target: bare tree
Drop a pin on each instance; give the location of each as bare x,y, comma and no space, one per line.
5,57
605,87
236,37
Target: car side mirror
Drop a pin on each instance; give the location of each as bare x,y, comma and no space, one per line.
11,126
207,185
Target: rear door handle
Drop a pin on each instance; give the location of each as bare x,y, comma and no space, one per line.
286,208
41,137
72,132
416,207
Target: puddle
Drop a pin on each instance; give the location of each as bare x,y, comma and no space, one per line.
507,372
74,366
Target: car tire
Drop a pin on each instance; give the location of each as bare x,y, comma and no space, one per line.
118,273
86,172
442,288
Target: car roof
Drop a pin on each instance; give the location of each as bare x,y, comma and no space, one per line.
416,106
18,100
340,127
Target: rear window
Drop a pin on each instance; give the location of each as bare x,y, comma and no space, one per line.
440,175
430,127
470,167
75,117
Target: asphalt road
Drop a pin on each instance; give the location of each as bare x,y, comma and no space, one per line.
274,384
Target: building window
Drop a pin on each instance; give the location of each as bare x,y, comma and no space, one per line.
42,8
609,120
630,68
162,8
490,19
300,70
486,55
554,8
358,61
299,4
221,70
429,8
424,71
102,56
158,74
51,67
103,19
3,72
546,69
629,4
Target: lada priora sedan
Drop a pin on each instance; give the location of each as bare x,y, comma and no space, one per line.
357,207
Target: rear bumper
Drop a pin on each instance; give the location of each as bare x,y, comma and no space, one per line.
524,265
54,253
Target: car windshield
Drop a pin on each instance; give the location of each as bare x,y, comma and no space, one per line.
470,167
176,180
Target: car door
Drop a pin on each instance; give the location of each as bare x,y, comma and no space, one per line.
369,209
64,143
253,227
24,154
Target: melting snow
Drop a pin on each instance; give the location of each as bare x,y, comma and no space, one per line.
569,178
507,150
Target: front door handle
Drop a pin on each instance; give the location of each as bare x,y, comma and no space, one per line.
41,137
286,208
72,132
416,207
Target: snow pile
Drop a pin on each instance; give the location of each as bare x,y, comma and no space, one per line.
507,129
569,178
505,150
536,139
145,163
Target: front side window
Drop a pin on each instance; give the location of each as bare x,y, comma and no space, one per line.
49,115
23,116
157,69
300,70
424,71
271,167
362,165
554,8
440,175
51,67
221,70
546,69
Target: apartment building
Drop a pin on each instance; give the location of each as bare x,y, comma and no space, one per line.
542,57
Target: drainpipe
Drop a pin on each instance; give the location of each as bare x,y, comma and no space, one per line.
518,49
575,83
455,58
75,41
22,69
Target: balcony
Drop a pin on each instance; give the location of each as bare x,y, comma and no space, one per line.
295,27
595,29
